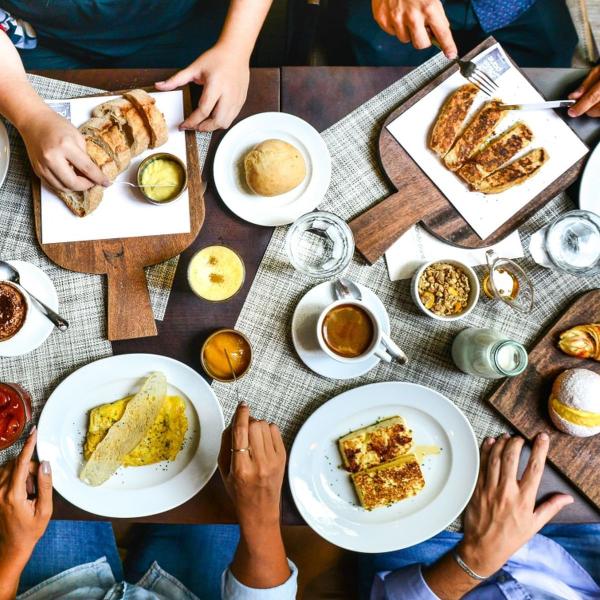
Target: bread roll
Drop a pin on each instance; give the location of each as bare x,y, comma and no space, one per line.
274,167
574,403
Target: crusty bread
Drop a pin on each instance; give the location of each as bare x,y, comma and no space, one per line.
154,119
83,203
109,136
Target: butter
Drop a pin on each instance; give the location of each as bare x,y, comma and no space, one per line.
575,415
162,179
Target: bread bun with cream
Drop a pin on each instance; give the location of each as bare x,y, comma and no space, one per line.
574,402
274,167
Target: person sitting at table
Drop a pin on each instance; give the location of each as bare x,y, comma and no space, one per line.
98,33
75,559
500,556
536,33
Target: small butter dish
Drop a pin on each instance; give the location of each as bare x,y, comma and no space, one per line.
162,178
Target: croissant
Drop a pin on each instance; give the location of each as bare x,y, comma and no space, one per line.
582,341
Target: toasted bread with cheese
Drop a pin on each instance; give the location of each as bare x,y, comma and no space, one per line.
109,136
154,119
375,444
451,118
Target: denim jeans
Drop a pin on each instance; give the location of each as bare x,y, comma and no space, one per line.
196,555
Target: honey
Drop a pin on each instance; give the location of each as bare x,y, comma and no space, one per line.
216,273
221,345
506,283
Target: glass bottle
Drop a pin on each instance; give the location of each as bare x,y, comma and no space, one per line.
488,353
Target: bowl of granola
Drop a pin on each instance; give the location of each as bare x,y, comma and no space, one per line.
445,290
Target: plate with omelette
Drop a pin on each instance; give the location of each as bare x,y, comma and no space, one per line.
131,435
383,466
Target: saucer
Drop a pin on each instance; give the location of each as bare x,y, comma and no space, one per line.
37,327
304,323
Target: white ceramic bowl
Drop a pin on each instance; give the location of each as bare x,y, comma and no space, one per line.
473,296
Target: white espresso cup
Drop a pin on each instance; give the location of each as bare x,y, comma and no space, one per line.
375,348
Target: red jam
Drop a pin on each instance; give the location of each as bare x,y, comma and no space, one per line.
15,413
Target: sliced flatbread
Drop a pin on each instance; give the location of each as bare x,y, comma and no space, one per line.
154,119
475,135
514,173
139,416
451,118
108,134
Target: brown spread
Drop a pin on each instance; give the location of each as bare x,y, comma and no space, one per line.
13,310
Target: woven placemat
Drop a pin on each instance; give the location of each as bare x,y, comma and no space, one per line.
81,296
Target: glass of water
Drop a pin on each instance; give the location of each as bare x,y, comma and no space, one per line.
320,245
573,242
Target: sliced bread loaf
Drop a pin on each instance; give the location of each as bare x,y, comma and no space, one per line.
154,119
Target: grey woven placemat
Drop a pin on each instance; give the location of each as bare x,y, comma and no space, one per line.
281,389
81,296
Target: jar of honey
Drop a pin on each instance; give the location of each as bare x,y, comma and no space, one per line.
226,355
15,413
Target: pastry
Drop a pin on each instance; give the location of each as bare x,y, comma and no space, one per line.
582,341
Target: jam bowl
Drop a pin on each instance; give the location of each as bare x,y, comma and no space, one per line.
14,310
15,413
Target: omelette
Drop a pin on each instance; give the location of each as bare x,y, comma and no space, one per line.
162,441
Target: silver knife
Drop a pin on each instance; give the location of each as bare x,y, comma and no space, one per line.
539,105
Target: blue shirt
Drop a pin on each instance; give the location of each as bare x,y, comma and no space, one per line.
495,14
541,570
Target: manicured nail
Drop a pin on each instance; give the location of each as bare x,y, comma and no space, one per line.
46,468
33,430
543,437
243,403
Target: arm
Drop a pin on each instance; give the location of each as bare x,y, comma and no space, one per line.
224,70
587,96
55,148
22,520
416,22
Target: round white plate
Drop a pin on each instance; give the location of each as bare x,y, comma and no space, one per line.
4,152
37,327
132,491
324,493
228,169
304,332
589,190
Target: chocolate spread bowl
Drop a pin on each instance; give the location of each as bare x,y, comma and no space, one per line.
14,308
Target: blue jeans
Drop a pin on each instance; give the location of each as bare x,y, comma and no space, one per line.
196,555
581,541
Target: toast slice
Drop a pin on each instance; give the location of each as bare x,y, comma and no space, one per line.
126,115
101,157
375,444
109,136
82,204
475,135
154,119
451,118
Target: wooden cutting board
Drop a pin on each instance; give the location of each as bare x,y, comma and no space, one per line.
129,312
523,400
419,200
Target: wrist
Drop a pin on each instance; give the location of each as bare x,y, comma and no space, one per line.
234,49
477,558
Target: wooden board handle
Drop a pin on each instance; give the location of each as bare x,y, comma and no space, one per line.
379,227
129,310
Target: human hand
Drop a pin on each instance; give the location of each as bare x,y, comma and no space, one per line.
23,520
57,153
587,96
502,515
253,478
416,21
224,75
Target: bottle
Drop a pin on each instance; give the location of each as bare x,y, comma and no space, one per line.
488,353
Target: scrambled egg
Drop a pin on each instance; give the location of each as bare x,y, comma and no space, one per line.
163,441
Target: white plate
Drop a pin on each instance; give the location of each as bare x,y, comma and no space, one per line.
228,169
304,336
37,327
4,153
132,491
323,491
589,190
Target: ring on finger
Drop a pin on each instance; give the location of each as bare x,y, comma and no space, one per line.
246,449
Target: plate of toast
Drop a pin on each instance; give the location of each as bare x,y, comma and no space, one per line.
383,466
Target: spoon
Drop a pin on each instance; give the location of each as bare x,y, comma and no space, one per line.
135,185
346,288
9,273
235,381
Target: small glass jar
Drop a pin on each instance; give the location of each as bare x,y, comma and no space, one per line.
488,353
15,413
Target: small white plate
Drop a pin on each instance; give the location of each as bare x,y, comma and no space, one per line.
324,493
304,332
132,491
4,153
37,327
589,190
228,169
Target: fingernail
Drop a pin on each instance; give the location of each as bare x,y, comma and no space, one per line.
46,468
571,113
489,441
33,430
452,55
159,83
543,436
506,436
106,183
243,403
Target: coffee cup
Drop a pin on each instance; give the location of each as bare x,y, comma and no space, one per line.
349,331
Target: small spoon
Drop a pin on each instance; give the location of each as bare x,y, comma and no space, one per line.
9,273
235,381
135,185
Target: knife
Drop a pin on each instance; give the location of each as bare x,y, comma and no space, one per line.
539,105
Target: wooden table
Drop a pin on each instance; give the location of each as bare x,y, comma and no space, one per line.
322,96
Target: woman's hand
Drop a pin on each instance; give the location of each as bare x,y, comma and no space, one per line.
57,153
416,21
224,75
587,96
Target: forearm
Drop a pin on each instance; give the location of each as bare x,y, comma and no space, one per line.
447,580
243,23
10,573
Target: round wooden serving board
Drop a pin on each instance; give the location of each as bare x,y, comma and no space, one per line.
123,260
